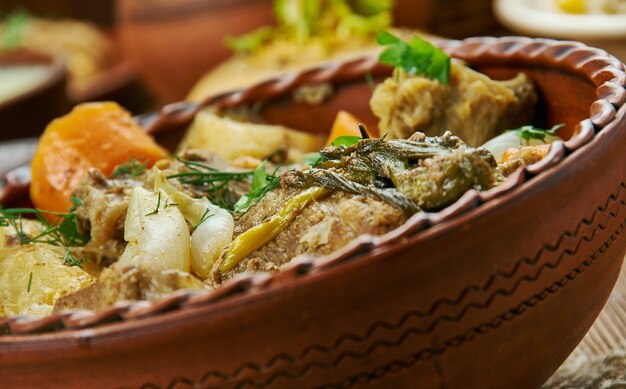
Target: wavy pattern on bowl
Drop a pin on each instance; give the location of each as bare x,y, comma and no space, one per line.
607,74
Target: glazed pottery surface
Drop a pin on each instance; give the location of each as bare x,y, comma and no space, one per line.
495,290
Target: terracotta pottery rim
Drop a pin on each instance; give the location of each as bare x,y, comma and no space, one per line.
606,115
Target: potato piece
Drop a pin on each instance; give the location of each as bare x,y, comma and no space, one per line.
230,139
50,279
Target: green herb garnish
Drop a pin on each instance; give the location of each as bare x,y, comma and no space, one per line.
14,27
30,282
530,132
312,159
346,140
206,215
262,182
213,182
131,168
63,232
70,260
158,205
417,56
370,80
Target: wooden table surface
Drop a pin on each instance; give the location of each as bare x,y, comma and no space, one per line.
607,337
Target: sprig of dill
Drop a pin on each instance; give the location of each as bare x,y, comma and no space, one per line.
63,231
131,168
205,216
213,182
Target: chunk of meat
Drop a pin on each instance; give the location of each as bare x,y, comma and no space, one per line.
471,105
439,181
106,199
127,282
323,227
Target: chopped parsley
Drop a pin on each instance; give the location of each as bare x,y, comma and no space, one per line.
346,140
417,56
530,132
262,182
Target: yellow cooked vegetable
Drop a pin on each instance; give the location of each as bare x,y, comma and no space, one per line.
258,236
33,277
230,139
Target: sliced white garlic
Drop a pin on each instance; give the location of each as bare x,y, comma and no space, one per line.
213,226
156,232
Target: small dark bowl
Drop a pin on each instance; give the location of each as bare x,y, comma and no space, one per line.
495,290
28,113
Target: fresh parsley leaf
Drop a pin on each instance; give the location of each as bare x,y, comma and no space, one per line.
530,132
346,140
417,56
262,182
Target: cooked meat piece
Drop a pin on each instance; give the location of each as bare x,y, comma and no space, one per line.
439,181
370,187
124,282
517,157
419,173
324,226
103,211
472,105
105,199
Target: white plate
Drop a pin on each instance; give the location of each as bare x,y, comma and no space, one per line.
542,18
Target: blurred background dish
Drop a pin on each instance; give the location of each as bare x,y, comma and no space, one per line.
599,23
173,42
32,92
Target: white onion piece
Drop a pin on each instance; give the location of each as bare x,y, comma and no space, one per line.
214,226
498,145
160,239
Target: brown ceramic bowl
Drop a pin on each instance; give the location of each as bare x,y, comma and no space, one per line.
27,113
496,290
